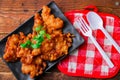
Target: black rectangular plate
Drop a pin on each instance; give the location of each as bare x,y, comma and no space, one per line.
27,28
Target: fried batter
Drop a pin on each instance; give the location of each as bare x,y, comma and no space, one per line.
56,47
11,48
13,51
35,68
53,46
50,20
37,21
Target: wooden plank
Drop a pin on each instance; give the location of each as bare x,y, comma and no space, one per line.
15,13
21,6
2,35
53,76
36,4
61,76
7,76
9,22
3,67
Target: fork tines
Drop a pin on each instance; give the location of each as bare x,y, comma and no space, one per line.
82,24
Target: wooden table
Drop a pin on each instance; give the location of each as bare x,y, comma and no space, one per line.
15,12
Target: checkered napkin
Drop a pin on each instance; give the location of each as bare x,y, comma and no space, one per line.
87,61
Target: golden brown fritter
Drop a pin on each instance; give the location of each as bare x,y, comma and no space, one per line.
53,46
50,20
11,48
36,52
33,69
37,21
12,45
56,47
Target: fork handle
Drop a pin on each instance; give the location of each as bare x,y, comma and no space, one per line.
104,55
111,39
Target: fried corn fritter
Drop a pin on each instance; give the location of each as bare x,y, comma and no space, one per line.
45,43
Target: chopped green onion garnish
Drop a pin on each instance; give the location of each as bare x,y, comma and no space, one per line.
35,45
38,28
42,32
39,38
48,36
23,45
26,44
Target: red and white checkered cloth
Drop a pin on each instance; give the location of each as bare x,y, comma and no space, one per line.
86,61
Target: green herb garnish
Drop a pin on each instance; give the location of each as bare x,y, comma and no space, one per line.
26,44
35,45
48,36
37,29
39,38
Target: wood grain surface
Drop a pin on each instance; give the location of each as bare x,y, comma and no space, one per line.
15,12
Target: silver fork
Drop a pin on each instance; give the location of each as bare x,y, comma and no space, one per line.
86,30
